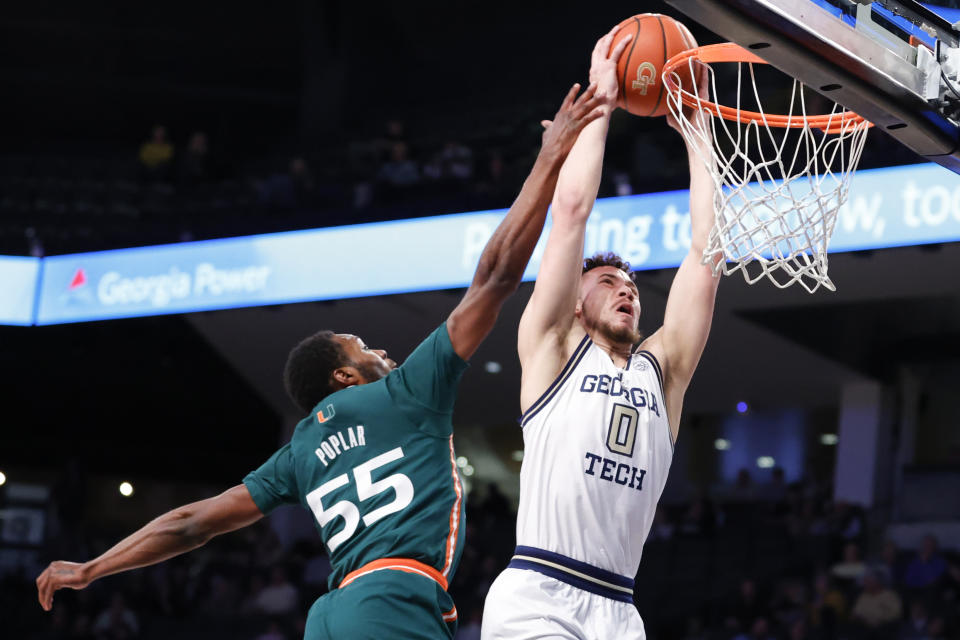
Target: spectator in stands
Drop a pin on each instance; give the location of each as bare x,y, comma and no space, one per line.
304,184
156,154
273,632
279,597
747,607
289,189
34,244
493,180
399,171
891,564
847,522
70,501
743,489
256,585
455,162
937,629
927,567
695,629
759,630
81,629
799,630
700,518
851,568
394,131
662,528
915,627
621,183
316,571
195,163
828,607
222,600
790,602
117,622
877,611
951,584
470,630
774,492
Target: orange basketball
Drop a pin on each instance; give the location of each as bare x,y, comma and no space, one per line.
656,39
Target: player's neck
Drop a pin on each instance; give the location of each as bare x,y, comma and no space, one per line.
618,352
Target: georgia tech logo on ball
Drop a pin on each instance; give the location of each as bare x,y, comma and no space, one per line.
646,77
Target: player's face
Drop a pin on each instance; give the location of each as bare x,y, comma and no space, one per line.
370,364
609,304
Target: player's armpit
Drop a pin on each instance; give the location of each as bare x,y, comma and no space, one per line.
549,313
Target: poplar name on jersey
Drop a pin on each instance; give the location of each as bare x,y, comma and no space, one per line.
336,444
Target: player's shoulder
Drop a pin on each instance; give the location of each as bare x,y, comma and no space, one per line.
553,361
651,351
653,345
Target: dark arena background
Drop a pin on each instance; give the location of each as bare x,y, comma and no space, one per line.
819,455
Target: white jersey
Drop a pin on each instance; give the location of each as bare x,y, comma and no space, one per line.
597,451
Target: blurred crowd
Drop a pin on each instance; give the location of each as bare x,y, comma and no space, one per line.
184,185
771,561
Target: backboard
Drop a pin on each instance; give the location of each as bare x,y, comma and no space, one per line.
895,62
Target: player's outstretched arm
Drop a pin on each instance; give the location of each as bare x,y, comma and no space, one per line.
505,257
690,303
549,313
175,532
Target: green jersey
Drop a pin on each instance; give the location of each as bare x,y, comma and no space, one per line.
375,465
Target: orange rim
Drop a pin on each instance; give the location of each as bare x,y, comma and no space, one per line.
730,52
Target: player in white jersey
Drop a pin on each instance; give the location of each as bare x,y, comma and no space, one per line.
599,418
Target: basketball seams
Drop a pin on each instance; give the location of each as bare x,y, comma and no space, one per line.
663,58
626,66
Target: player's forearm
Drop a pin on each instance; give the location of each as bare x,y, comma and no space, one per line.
579,179
165,537
505,257
701,198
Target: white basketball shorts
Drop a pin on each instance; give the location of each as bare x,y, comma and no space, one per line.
528,604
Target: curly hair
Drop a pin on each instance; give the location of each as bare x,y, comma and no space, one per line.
608,259
308,374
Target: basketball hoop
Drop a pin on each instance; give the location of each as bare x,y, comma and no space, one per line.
780,179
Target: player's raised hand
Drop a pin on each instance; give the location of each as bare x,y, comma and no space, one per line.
574,114
603,65
59,575
702,78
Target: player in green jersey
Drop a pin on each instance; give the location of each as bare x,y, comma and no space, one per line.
373,460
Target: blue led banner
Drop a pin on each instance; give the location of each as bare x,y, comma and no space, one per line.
18,285
887,207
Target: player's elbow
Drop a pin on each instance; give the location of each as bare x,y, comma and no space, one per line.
571,205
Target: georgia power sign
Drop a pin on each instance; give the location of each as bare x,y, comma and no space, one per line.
887,207
84,287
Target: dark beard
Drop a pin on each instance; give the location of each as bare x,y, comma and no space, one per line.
620,335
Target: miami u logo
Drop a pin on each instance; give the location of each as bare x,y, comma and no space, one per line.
646,77
325,414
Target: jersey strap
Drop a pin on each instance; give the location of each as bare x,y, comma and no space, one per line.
552,390
652,359
573,572
407,565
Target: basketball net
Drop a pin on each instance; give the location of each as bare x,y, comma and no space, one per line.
779,180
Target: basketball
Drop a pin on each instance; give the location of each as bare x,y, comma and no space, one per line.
656,39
